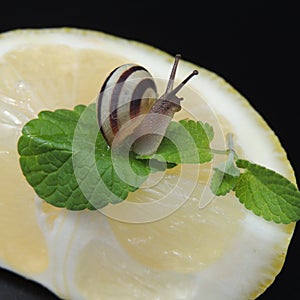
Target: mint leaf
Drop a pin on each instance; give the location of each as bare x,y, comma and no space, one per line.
225,176
222,183
208,130
103,177
68,163
45,150
47,156
267,193
186,142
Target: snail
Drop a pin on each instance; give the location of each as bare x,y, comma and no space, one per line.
128,105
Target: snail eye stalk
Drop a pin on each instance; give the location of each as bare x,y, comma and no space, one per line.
170,92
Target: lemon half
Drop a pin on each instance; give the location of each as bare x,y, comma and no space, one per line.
218,250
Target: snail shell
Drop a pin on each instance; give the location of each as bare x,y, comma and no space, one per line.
128,106
128,92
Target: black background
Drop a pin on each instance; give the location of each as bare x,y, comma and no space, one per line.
250,44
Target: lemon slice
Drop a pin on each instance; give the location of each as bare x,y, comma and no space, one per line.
209,248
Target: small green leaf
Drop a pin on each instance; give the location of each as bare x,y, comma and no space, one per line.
222,183
208,130
186,142
225,176
267,193
70,174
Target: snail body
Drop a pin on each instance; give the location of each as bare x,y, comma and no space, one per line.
128,105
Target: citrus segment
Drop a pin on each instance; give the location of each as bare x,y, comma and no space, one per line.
182,242
23,246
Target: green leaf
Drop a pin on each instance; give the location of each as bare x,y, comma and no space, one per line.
45,150
186,142
67,162
222,183
208,130
267,193
225,176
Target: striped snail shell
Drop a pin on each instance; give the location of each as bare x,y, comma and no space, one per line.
128,105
